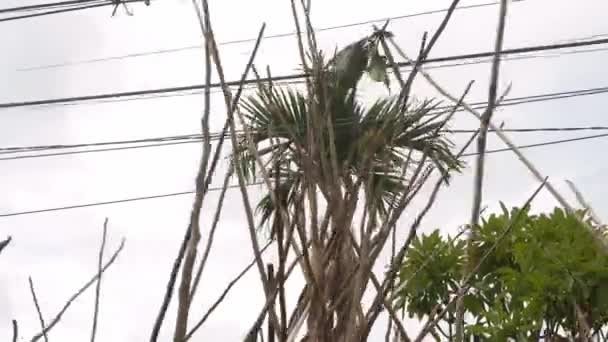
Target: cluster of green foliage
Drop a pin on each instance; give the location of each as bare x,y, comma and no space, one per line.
371,143
528,287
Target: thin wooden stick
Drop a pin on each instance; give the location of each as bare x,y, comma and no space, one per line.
98,286
40,318
272,296
512,147
481,149
210,237
221,298
581,200
78,293
5,243
392,314
374,311
231,104
194,226
15,330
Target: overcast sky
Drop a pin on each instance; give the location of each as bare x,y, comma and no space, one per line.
59,249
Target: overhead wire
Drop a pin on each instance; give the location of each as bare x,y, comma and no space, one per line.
249,87
65,9
287,77
249,40
195,138
142,198
43,6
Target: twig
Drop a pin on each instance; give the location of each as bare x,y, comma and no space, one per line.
374,310
581,200
241,179
15,330
210,237
184,298
40,318
481,149
271,282
231,104
487,116
78,293
202,321
391,289
432,321
512,147
5,243
98,287
298,324
270,299
392,314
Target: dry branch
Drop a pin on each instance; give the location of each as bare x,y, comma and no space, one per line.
374,310
210,237
78,293
38,310
231,105
15,330
481,149
512,147
270,299
233,282
586,205
5,243
184,295
98,287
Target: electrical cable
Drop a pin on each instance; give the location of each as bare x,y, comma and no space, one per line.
287,77
195,138
248,40
68,9
133,199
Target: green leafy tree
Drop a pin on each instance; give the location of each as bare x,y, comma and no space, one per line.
547,278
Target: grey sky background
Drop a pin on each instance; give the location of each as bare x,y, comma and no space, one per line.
59,249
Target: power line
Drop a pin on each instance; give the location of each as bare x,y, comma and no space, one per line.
195,138
65,9
45,6
134,199
179,140
289,77
248,40
548,143
254,86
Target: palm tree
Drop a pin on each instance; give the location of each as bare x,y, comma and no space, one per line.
327,141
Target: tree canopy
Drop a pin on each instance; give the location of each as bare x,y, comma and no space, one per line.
547,278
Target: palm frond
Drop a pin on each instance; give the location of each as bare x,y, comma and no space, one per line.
285,194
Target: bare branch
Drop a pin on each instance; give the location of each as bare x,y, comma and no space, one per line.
481,149
581,200
271,297
202,321
231,104
40,318
216,219
374,311
15,331
512,147
392,314
194,226
99,271
79,292
5,243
